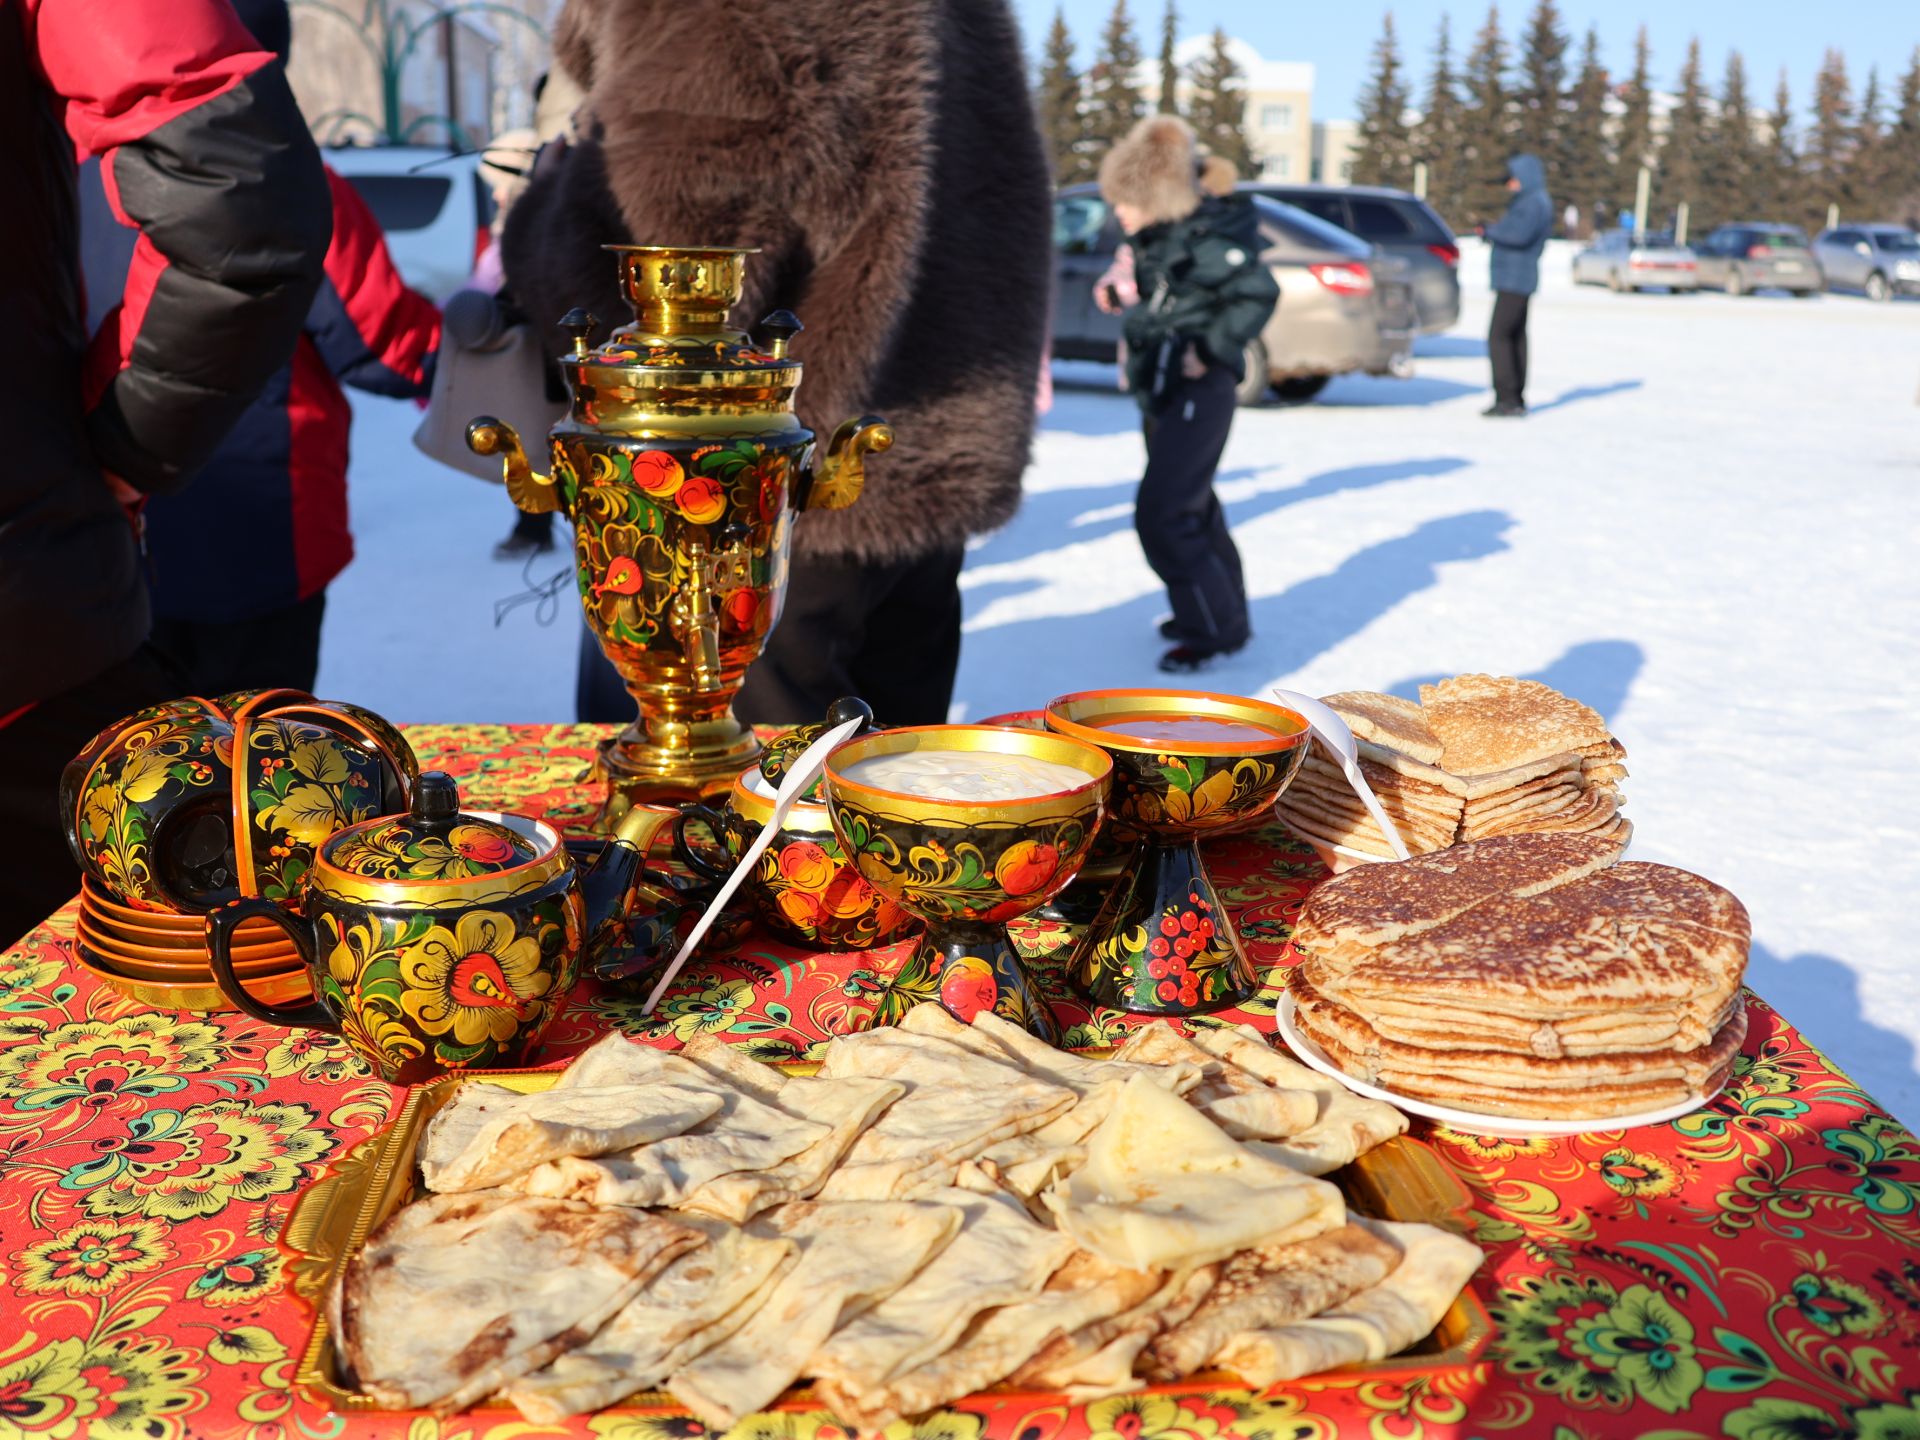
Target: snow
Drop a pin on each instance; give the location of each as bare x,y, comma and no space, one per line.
1707,529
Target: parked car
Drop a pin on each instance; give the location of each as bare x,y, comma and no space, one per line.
1880,261
1621,262
1758,255
1397,222
433,206
1343,305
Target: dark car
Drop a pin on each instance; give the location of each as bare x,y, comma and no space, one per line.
1397,222
1343,305
1755,255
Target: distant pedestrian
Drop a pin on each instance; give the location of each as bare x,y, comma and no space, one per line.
1517,238
1570,219
1204,295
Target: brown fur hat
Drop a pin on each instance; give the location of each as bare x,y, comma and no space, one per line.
1218,175
1153,170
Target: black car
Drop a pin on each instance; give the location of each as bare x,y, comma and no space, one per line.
1397,222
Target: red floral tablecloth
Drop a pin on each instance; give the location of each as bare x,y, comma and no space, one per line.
1752,1270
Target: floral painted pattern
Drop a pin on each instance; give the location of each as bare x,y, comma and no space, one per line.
1750,1271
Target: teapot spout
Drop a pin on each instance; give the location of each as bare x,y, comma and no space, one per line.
611,885
531,491
837,480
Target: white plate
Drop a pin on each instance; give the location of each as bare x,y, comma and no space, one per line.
1472,1122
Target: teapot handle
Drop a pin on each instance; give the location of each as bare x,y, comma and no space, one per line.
221,925
683,849
531,491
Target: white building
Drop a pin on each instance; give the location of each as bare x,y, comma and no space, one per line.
1334,142
1279,94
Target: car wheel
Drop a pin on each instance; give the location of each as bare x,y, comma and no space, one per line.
1301,388
1877,287
1253,384
1736,283
1805,294
1615,283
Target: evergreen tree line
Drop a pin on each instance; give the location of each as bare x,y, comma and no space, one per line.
1719,151
1083,112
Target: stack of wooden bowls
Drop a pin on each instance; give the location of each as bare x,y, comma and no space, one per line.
160,956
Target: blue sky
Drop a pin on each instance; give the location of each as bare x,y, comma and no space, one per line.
1337,38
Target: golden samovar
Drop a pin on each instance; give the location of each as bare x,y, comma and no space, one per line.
681,465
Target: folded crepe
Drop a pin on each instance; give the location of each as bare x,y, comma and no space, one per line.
1084,1290
1381,1320
1000,1040
957,1104
1347,1125
1099,1358
1163,1187
692,1305
1266,1286
1243,1104
743,1134
487,1134
998,1256
458,1295
851,1257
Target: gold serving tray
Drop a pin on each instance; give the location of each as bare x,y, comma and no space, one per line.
1404,1179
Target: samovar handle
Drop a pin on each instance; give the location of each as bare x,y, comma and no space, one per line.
836,481
531,491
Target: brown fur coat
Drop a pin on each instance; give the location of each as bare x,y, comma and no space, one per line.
884,157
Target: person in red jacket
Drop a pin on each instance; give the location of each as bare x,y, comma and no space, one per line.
272,502
204,150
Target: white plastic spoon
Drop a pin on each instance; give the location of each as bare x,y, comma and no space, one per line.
793,785
1331,730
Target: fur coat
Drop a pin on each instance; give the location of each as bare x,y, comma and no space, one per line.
884,157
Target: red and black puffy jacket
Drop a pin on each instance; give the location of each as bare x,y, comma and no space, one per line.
205,151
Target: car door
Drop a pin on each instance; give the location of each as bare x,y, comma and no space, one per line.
1084,238
1841,259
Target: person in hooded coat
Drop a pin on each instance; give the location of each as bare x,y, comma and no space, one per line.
1205,293
1517,238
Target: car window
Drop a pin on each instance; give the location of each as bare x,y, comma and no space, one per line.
403,202
1786,239
1843,237
1903,242
1304,229
1077,223
1329,208
1378,220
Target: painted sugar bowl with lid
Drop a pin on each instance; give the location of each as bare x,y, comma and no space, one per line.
440,940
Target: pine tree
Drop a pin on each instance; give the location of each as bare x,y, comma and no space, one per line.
1487,132
1436,140
1903,149
1829,147
1871,179
1784,200
1113,100
1735,167
1169,67
1382,154
1635,145
1543,83
1586,167
1217,106
1682,157
1058,102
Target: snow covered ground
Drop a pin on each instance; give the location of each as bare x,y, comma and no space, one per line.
1707,529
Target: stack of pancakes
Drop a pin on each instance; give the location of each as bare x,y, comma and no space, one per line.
1479,756
1526,975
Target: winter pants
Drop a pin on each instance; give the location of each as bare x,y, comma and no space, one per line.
217,657
1182,528
39,874
887,633
1507,348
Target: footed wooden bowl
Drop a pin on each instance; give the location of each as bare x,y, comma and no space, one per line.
966,867
1186,764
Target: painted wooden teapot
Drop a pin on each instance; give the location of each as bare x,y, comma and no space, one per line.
439,940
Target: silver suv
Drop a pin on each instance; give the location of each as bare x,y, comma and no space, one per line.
1880,261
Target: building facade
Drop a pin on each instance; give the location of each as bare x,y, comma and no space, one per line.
1279,93
1334,142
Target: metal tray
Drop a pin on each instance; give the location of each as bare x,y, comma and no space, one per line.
1404,1179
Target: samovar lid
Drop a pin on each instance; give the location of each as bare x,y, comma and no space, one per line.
681,297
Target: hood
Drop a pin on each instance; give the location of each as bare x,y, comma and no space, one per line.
1528,170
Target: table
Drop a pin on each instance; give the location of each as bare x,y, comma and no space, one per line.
1752,1270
